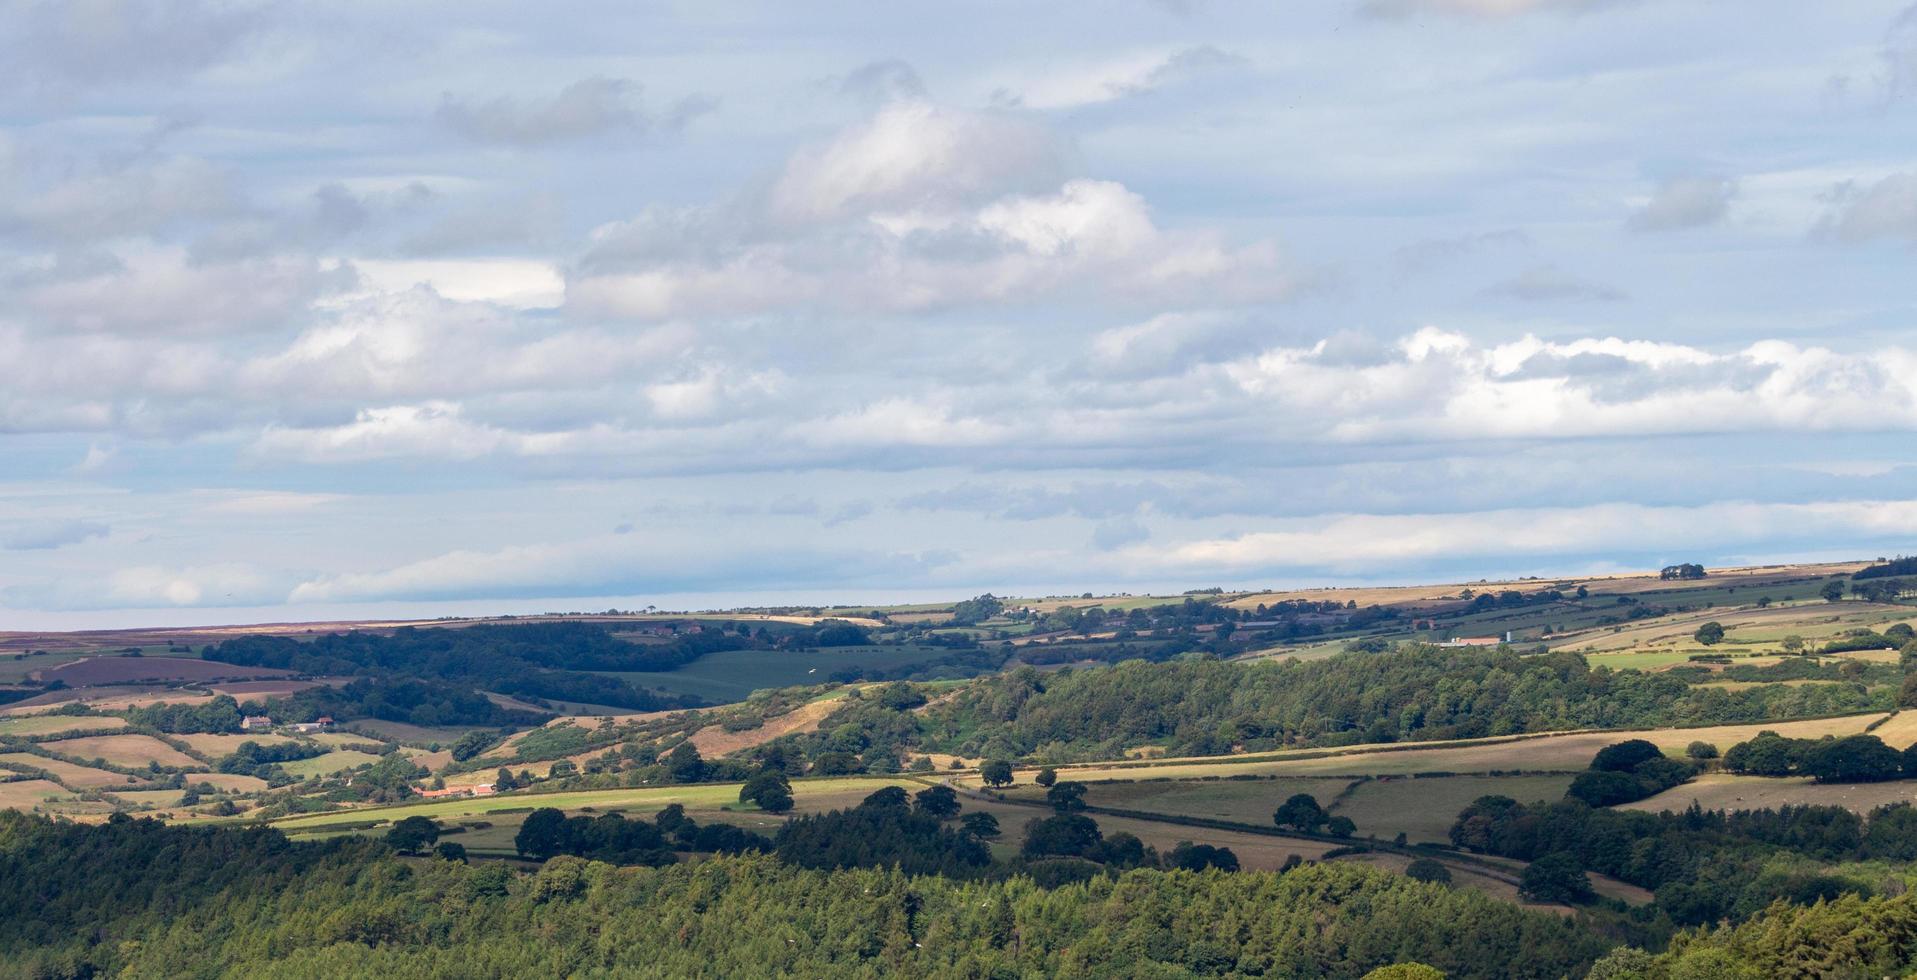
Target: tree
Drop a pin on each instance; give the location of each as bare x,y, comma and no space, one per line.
1709,634
1426,869
937,802
684,765
1853,759
1405,971
1341,826
1626,756
1066,797
769,790
1701,750
451,851
471,744
1833,591
996,772
543,834
889,798
1793,643
1300,812
505,782
1198,857
1556,878
412,834
1046,776
979,824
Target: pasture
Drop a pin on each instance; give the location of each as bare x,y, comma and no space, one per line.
1424,809
732,675
1242,800
215,746
338,760
99,671
30,725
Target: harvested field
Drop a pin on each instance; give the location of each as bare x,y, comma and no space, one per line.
150,797
25,794
1726,791
97,671
71,776
1899,732
55,724
432,761
112,698
131,751
345,740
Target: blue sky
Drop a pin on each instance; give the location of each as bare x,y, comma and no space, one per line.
377,309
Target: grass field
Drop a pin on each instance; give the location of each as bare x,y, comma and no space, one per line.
132,751
338,760
229,782
55,724
215,746
707,796
1725,791
732,675
1424,809
1243,800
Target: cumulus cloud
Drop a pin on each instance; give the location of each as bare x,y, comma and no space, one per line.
586,108
1685,202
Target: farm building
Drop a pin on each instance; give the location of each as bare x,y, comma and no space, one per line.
255,723
1476,641
320,724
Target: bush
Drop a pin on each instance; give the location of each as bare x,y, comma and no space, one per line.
1425,869
1556,878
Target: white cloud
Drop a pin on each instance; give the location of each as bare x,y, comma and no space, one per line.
1361,543
914,155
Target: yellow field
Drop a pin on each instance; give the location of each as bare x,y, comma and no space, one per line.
1725,791
69,775
132,751
229,782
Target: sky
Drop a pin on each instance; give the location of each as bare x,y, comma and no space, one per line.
368,309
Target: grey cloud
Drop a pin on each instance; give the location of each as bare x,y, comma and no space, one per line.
586,108
56,43
1549,283
1885,209
1117,533
50,535
1432,253
883,81
1685,202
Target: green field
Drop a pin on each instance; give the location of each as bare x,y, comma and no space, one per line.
1424,809
325,765
54,724
734,674
702,796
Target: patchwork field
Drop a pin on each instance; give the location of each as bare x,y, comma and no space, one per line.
1243,800
132,751
228,782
